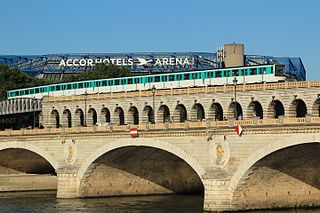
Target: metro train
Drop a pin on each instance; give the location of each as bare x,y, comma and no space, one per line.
252,74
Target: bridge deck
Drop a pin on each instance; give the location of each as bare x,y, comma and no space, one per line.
214,126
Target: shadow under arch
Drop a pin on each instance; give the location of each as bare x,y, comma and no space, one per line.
150,143
246,167
30,147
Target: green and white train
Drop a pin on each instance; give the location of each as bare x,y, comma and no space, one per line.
252,74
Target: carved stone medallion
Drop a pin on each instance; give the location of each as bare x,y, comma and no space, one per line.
70,151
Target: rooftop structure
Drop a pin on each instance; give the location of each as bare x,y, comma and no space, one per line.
54,66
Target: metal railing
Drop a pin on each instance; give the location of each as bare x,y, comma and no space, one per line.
183,91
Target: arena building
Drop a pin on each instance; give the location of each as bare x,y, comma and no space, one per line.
55,66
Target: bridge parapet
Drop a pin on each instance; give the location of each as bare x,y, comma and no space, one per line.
184,91
201,125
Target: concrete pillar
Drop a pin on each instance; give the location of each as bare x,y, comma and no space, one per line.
67,182
217,196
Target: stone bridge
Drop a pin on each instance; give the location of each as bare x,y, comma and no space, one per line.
274,163
186,144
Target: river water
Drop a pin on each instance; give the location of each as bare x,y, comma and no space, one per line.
47,202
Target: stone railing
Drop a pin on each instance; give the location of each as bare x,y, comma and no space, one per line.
171,126
184,91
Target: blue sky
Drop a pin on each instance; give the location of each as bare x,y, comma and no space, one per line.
273,27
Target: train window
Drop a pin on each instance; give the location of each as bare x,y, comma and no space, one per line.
157,79
187,76
110,82
16,93
42,89
171,77
97,83
235,72
137,80
31,91
104,83
130,81
69,86
279,70
57,87
218,74
26,92
270,70
116,82
80,85
63,87
253,71
37,90
264,70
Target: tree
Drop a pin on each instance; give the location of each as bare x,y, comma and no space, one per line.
13,78
100,71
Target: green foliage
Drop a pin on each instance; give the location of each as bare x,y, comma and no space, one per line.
13,78
100,71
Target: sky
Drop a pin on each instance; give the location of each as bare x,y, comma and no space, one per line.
273,27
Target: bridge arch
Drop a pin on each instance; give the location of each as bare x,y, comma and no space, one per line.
197,112
79,117
255,110
119,116
235,111
151,143
247,166
275,109
55,119
92,117
180,113
297,108
133,117
316,108
66,118
105,115
163,114
32,148
148,114
215,112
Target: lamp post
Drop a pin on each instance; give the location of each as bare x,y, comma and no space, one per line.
153,89
235,81
85,108
34,112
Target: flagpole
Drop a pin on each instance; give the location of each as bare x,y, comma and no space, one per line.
235,98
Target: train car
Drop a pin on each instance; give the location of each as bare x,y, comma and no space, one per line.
244,75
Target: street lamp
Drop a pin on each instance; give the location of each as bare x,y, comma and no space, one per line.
153,89
85,108
235,81
34,112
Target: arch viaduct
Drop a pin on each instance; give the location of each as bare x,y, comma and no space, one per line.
272,164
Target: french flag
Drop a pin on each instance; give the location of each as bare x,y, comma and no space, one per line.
239,130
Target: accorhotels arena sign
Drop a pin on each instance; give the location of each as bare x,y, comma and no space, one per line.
87,62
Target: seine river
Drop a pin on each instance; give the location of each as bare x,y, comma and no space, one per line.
47,202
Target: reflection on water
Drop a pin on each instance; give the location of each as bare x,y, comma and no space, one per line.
47,202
